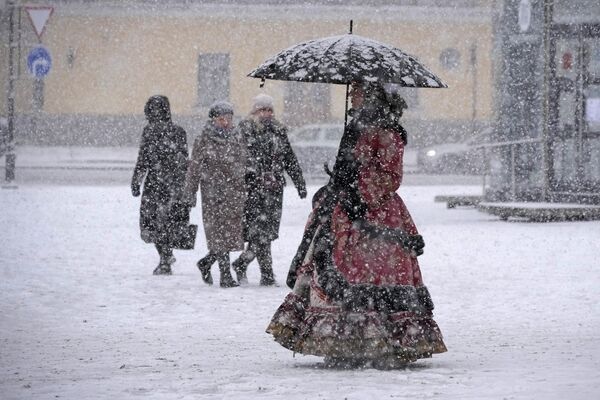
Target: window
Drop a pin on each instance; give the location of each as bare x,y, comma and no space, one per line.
306,135
213,78
306,102
334,134
450,58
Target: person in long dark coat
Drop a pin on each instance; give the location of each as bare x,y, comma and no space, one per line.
270,155
161,167
217,166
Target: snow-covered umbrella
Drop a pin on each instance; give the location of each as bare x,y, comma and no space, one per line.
345,59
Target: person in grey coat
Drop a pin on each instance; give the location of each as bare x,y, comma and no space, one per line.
161,167
217,166
270,155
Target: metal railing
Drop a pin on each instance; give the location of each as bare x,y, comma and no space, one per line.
494,147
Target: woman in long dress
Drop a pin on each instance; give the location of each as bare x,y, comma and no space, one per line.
359,298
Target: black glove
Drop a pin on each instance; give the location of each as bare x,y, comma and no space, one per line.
302,192
135,189
415,244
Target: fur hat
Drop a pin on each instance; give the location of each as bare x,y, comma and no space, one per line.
219,108
383,107
262,101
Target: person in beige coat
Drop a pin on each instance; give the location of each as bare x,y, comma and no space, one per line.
217,167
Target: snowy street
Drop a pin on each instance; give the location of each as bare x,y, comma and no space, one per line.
117,116
81,315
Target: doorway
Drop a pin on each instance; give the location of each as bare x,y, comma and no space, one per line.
575,114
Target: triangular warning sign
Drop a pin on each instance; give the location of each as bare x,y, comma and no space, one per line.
39,15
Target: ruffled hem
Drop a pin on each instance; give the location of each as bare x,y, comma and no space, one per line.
369,335
287,320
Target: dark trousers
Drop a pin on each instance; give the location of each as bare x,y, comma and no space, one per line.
221,257
165,253
262,252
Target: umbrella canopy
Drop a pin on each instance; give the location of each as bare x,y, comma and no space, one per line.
345,59
342,59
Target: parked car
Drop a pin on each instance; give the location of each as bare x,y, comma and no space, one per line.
464,157
316,145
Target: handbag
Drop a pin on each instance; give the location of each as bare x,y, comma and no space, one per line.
183,234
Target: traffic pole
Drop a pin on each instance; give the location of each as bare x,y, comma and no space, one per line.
10,101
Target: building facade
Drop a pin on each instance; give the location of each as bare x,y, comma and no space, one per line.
547,130
108,57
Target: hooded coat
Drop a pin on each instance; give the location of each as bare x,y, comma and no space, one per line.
161,166
217,166
270,155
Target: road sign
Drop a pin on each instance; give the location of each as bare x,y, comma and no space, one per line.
39,62
39,15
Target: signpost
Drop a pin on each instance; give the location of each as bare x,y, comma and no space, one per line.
39,63
10,157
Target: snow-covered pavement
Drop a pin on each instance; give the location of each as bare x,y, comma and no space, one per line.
82,317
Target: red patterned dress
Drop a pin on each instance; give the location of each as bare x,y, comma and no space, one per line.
312,322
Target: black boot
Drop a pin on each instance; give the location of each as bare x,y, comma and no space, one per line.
227,280
166,260
240,271
267,278
225,268
162,269
265,263
204,267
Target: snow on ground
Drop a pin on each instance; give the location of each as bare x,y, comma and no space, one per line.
81,315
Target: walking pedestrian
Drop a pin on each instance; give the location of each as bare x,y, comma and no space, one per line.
161,167
217,167
270,155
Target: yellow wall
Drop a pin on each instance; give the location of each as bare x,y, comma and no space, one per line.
121,58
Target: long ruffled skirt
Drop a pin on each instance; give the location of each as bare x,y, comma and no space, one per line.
317,327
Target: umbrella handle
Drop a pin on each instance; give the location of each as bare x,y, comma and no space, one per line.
346,106
347,90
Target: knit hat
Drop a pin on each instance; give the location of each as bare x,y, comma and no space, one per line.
219,108
262,101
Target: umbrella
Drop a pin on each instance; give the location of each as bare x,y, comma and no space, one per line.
345,59
342,60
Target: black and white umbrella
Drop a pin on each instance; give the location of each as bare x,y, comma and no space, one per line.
345,59
342,59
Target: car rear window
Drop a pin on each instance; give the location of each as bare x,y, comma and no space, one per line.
309,134
333,134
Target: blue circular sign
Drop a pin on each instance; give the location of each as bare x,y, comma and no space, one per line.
39,62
